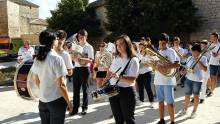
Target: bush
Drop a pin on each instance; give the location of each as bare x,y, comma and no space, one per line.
7,74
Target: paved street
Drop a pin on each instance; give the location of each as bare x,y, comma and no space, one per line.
14,110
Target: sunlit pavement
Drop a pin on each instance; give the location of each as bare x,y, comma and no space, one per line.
15,110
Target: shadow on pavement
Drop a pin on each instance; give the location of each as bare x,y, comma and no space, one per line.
20,117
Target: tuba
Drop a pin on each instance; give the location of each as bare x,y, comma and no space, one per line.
104,60
156,58
76,51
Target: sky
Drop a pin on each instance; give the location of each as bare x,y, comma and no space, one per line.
46,6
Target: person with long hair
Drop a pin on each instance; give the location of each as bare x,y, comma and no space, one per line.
49,71
123,104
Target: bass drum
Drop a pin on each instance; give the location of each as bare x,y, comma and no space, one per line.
23,83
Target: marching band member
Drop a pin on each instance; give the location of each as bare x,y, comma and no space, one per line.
181,55
214,61
194,79
49,71
81,73
64,54
165,85
123,104
25,53
100,65
145,75
206,74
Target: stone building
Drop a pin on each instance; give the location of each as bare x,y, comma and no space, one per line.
20,19
207,9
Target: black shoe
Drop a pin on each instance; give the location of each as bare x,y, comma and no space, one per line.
174,89
182,85
209,94
84,112
74,112
201,101
192,100
161,121
111,116
172,122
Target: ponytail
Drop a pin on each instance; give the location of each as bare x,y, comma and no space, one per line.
46,39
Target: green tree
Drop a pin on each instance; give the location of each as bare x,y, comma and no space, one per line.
140,17
72,15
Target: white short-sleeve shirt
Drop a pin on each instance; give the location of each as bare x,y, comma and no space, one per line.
215,60
181,51
25,53
160,79
87,49
197,74
131,71
67,59
48,72
142,60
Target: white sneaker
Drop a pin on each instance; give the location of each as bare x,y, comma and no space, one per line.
193,115
182,112
151,105
139,103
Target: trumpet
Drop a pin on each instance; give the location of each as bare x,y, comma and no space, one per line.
156,58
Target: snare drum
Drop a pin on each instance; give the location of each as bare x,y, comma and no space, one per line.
23,83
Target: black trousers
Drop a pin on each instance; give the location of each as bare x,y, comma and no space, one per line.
123,106
53,112
144,81
80,78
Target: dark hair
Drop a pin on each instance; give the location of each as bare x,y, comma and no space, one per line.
205,42
61,34
176,39
102,43
46,38
196,47
163,37
135,46
82,32
215,34
129,47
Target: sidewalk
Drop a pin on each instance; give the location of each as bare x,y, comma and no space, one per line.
14,110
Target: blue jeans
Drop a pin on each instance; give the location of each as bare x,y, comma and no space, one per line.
192,87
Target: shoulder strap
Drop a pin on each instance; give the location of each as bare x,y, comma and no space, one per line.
123,70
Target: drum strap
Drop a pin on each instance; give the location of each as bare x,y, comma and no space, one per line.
122,73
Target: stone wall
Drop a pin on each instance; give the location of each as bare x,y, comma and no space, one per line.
26,14
3,18
209,10
36,29
13,19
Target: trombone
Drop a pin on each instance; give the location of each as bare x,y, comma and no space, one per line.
190,69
